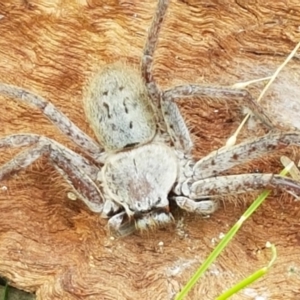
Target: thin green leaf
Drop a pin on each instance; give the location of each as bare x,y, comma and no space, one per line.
250,279
5,296
225,241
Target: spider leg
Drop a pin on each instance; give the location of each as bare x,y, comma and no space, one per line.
237,184
85,188
175,123
56,117
64,160
120,225
22,160
224,159
205,207
147,58
29,139
218,92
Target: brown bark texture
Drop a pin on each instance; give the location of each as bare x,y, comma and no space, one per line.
58,248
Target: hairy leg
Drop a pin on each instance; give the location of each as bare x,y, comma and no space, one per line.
176,126
71,166
243,96
225,159
29,139
23,160
175,123
204,207
147,58
121,225
56,117
236,184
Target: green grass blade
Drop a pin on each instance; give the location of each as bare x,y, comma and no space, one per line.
225,241
250,279
5,296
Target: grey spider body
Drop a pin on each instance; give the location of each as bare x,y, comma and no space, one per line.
143,161
119,109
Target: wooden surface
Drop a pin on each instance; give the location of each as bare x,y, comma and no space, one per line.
55,246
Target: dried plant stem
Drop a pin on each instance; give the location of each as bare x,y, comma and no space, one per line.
232,140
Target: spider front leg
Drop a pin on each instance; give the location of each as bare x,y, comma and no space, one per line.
200,195
237,184
79,173
204,207
199,185
224,159
56,117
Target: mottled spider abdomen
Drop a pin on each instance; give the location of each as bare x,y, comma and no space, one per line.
118,108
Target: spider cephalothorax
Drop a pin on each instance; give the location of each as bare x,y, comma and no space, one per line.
143,160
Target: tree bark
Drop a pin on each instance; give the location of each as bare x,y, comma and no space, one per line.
58,248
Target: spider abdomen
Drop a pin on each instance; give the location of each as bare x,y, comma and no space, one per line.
118,108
